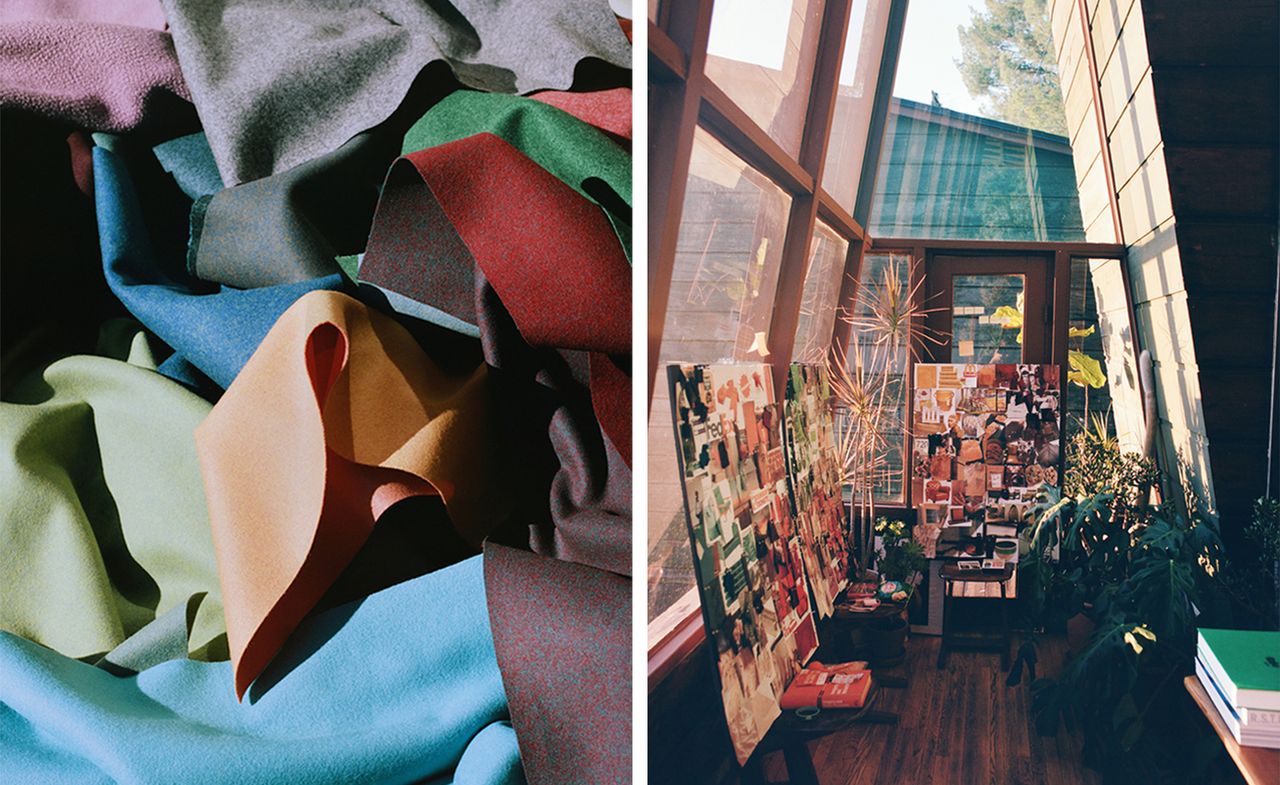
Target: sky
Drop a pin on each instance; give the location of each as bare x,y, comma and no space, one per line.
754,31
930,47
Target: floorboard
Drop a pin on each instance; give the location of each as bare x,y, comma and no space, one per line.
960,724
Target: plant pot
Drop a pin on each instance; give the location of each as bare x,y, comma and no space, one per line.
886,641
1079,630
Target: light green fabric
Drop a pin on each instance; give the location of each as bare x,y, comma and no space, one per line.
103,524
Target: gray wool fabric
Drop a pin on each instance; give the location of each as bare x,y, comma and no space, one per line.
277,83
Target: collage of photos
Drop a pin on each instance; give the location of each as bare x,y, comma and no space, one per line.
987,438
814,471
746,549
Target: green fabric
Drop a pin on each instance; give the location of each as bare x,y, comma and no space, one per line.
103,525
568,148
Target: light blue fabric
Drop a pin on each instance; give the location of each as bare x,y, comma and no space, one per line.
216,329
400,687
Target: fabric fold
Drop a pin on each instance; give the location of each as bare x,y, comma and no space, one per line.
93,545
277,84
213,328
562,634
570,242
103,77
336,417
395,688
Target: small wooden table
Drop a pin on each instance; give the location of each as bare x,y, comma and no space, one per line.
1259,766
791,735
951,574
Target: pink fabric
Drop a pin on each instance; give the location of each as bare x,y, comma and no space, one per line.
135,13
608,110
101,77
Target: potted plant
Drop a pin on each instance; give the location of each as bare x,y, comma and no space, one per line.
1139,573
900,564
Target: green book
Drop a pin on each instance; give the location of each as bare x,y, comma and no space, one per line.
1246,664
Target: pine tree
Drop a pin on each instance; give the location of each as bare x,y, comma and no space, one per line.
1007,57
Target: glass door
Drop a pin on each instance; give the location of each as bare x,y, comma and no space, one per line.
988,310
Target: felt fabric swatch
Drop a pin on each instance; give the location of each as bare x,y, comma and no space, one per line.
475,185
103,524
567,146
165,638
190,161
608,110
277,83
103,77
289,227
454,230
134,13
336,417
395,688
563,638
215,328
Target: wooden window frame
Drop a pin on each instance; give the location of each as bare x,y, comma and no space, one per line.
683,98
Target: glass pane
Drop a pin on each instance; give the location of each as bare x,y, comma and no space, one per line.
1112,345
975,146
722,286
986,319
821,290
883,370
858,72
761,53
1087,391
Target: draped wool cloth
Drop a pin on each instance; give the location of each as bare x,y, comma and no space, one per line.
280,83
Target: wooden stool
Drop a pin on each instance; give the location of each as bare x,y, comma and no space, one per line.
952,574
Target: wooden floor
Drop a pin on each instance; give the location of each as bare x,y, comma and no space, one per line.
959,725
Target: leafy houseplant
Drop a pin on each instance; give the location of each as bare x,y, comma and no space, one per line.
1140,572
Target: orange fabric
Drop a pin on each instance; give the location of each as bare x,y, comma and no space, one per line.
337,416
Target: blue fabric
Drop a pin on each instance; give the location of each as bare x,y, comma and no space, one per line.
215,329
190,161
402,686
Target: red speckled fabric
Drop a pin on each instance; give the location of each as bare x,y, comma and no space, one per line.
551,297
608,110
565,665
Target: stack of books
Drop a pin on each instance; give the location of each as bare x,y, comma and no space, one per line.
1240,670
843,686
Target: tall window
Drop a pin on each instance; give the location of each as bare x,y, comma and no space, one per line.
753,239
883,370
976,146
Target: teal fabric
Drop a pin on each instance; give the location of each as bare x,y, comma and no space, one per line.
400,687
190,161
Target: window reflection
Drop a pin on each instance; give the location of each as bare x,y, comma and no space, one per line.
761,53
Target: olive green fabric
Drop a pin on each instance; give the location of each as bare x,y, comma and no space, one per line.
103,525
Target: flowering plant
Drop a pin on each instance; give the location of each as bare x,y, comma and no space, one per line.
903,557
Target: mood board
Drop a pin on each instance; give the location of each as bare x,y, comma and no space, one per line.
985,439
813,471
745,544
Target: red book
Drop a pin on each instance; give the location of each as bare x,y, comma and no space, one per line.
800,696
850,694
